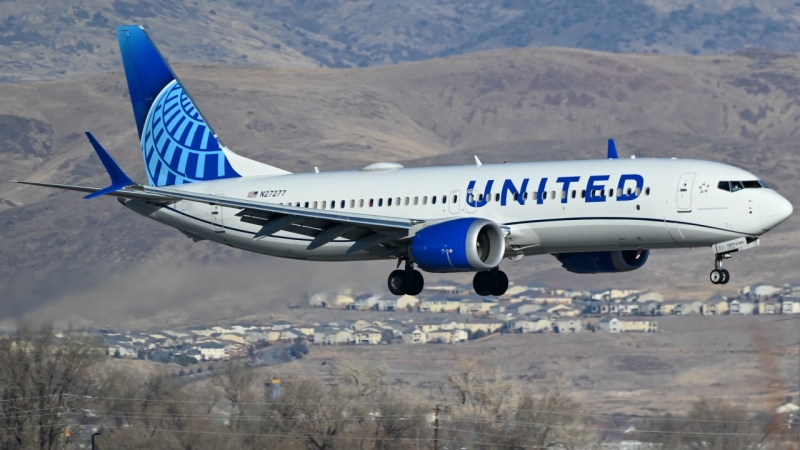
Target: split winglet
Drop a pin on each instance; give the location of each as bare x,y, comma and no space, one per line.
612,150
118,178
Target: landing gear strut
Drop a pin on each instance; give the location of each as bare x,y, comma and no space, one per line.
720,275
407,281
490,282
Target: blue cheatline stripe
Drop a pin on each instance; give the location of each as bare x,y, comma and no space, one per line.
567,219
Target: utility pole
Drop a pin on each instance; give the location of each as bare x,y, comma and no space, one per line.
436,429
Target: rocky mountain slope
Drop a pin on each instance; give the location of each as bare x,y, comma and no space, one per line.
51,40
508,105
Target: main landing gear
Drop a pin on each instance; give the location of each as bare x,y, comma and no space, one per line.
720,275
490,282
407,281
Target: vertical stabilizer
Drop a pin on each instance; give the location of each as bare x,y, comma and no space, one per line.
177,143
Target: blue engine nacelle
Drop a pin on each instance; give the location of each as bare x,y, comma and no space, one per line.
603,262
459,245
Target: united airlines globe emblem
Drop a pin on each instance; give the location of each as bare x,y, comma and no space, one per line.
177,144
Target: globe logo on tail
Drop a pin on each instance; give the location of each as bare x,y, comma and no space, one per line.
177,144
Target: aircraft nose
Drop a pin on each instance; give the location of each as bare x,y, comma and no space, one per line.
773,208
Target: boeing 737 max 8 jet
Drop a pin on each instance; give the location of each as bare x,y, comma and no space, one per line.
594,216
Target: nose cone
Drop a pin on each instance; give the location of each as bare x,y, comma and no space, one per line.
773,209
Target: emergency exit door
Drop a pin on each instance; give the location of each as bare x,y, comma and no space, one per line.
216,217
684,194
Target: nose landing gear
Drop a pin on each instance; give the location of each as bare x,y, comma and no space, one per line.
720,275
407,281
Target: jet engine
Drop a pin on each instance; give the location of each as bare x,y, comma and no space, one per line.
459,245
603,262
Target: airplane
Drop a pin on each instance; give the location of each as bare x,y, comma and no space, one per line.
594,216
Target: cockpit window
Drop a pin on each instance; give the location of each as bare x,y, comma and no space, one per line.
733,186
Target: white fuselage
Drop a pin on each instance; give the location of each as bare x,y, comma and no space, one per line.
679,204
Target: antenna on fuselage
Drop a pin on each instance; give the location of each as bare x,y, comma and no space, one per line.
478,161
316,169
612,150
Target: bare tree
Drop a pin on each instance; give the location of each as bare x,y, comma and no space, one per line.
711,424
41,377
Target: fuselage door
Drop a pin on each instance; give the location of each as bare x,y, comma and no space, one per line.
216,217
470,201
453,201
684,196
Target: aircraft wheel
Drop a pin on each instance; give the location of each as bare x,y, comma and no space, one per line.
726,276
482,283
500,283
715,276
398,282
416,284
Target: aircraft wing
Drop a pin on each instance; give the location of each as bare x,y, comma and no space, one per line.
323,225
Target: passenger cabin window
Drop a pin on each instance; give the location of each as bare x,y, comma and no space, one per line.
455,199
352,203
516,197
497,197
563,194
380,202
333,204
371,202
544,195
433,200
524,195
647,191
406,201
315,205
416,200
342,205
638,191
610,192
553,194
583,193
574,193
324,204
389,201
425,200
361,203
535,195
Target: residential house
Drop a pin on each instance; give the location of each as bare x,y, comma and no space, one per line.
291,334
440,303
757,291
647,296
358,325
364,302
429,324
242,327
741,307
687,307
790,305
417,336
307,329
200,330
333,336
477,306
234,337
627,308
212,351
370,336
402,303
253,336
281,325
643,326
486,325
650,308
716,305
563,311
439,336
459,336
123,351
545,298
791,290
612,325
533,325
568,326
768,306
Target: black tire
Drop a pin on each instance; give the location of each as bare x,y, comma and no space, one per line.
726,276
500,283
398,282
715,276
417,283
482,283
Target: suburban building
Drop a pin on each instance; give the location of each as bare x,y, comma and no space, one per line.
440,303
475,306
643,326
568,326
212,351
370,336
612,325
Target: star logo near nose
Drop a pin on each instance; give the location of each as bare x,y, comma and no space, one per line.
703,188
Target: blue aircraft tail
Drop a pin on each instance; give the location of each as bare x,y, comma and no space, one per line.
177,143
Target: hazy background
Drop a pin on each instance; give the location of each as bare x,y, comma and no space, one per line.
286,83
